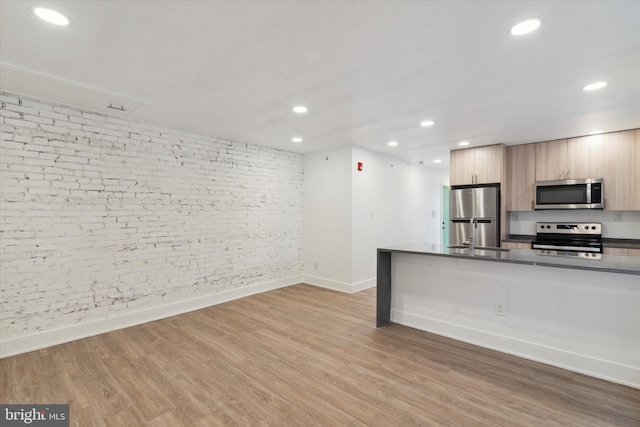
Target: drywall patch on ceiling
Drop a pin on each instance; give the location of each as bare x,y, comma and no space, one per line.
23,81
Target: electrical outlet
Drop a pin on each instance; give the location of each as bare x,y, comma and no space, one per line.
514,217
617,216
315,265
501,309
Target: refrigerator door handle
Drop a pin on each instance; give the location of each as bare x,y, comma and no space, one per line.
485,220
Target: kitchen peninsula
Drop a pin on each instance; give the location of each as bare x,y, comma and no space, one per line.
578,314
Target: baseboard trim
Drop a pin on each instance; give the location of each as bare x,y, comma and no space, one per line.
603,369
14,346
336,285
365,284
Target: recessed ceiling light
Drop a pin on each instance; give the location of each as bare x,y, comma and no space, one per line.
594,86
426,123
437,161
51,16
392,143
595,132
296,139
463,143
525,27
300,109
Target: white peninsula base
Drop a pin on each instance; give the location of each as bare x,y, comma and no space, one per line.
584,321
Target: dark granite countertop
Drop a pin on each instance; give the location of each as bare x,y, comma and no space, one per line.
621,243
607,263
519,238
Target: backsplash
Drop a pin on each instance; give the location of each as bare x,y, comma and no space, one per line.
627,228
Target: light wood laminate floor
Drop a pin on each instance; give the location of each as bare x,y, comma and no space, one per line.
303,356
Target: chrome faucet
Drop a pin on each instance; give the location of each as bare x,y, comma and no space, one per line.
472,239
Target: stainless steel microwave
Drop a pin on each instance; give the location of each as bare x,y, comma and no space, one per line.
570,194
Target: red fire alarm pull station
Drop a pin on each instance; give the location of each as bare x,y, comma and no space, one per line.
359,166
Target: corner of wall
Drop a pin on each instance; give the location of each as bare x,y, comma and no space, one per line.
327,216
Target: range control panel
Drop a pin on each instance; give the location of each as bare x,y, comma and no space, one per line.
569,254
594,228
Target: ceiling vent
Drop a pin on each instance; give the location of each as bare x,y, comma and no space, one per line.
43,86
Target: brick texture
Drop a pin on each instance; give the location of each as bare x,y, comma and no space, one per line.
101,216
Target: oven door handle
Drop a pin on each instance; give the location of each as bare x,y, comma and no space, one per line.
565,248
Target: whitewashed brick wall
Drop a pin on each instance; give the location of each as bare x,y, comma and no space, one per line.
101,216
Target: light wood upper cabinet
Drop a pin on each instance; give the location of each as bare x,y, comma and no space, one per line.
489,163
462,167
613,156
552,160
521,177
588,156
577,158
481,165
620,167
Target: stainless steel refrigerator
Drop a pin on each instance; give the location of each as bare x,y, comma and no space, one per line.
481,204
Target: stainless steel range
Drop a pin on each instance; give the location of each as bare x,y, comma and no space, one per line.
578,239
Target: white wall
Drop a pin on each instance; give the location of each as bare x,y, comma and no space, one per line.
107,223
327,220
393,202
349,214
102,217
628,228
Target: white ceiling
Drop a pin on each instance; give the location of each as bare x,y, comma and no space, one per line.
369,72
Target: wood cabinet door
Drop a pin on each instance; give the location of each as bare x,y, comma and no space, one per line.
521,176
551,160
516,245
587,157
634,185
620,168
489,162
462,167
622,251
